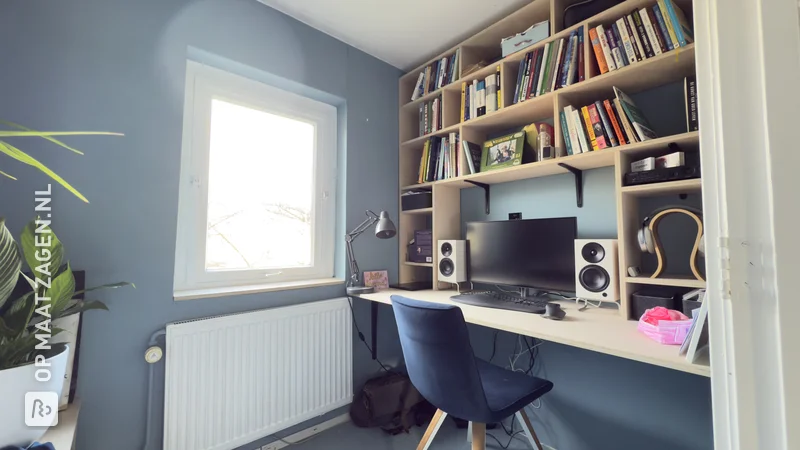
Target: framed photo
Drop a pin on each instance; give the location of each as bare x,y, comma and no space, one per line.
505,151
379,279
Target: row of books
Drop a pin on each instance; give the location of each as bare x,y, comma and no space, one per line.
604,124
641,34
437,74
550,67
430,116
440,159
481,97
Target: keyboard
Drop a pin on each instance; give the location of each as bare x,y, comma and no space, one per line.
499,300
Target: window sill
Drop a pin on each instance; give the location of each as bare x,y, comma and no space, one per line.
196,294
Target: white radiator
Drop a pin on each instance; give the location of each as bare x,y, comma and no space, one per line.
231,380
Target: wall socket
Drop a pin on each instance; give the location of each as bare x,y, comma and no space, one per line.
515,216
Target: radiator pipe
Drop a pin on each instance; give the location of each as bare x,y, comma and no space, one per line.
152,356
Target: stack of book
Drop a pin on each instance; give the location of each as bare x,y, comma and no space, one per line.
430,116
551,67
481,97
436,75
604,124
641,34
440,159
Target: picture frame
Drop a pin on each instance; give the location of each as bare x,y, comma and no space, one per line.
378,279
503,152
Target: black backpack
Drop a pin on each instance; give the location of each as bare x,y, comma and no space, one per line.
391,402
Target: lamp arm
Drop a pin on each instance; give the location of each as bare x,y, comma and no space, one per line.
351,236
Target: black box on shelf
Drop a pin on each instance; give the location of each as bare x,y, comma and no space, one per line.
650,297
689,306
421,251
416,200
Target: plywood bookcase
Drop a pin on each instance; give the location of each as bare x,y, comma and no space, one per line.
444,218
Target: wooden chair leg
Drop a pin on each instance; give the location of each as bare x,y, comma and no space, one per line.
469,431
528,427
478,436
433,428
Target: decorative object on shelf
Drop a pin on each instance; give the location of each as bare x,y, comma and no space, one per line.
377,279
384,229
22,320
665,326
649,241
416,199
536,33
420,249
505,151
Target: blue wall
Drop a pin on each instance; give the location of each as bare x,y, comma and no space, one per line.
119,66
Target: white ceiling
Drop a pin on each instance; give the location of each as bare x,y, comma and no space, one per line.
404,33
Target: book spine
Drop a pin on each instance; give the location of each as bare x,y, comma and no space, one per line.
499,83
422,162
656,32
626,123
468,101
648,28
520,75
463,99
626,40
691,104
474,107
662,5
601,34
557,58
589,129
443,71
581,56
415,93
562,78
530,74
573,138
648,49
675,23
662,27
526,77
573,63
614,123
684,25
624,136
580,131
616,52
491,93
543,70
607,128
598,51
535,70
633,33
565,132
620,44
597,128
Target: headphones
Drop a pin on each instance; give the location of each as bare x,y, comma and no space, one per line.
649,241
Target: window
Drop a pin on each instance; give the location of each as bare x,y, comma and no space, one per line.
257,193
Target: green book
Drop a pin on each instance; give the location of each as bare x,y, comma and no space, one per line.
547,69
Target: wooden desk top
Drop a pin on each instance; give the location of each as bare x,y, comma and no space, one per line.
598,329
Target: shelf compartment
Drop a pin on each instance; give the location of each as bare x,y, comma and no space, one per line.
693,185
421,140
687,281
689,140
420,211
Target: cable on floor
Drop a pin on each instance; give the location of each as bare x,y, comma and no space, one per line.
510,439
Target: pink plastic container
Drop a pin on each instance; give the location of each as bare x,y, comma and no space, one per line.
668,332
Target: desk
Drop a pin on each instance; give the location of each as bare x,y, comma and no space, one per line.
599,330
62,436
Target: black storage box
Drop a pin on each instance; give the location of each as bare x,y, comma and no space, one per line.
418,200
689,306
421,251
650,297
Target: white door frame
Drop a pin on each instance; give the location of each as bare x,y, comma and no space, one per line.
748,61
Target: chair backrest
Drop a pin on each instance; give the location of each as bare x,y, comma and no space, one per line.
439,357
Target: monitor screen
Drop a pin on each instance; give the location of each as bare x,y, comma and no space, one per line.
536,253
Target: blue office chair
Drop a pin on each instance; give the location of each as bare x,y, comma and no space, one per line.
443,367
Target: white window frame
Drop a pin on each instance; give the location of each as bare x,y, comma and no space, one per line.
203,84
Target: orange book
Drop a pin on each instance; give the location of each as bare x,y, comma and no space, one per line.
614,124
589,129
598,51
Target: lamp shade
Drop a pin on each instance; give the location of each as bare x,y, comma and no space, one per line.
385,228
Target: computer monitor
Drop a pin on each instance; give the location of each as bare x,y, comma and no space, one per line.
535,253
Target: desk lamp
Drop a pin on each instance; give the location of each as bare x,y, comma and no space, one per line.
384,230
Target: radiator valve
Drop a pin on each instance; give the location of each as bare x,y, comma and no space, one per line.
153,354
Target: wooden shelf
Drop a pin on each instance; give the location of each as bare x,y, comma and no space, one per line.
641,148
420,140
669,187
676,281
409,263
417,186
420,211
429,96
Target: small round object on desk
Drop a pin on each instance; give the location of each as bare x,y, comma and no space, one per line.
553,311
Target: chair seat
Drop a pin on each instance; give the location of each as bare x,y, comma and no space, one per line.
507,392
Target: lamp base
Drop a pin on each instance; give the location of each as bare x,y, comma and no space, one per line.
359,290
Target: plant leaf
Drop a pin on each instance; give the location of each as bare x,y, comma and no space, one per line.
61,291
14,352
106,286
44,134
7,175
16,320
10,263
23,157
82,306
53,140
30,249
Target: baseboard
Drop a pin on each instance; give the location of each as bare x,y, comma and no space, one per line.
308,432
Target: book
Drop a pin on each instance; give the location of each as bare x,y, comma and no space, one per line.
474,96
481,98
656,31
573,62
502,152
499,84
662,27
581,65
619,60
614,122
564,70
683,31
637,119
565,132
580,131
626,124
587,121
473,154
491,93
606,121
597,128
535,70
558,57
417,91
634,34
662,5
627,44
442,70
601,34
468,102
598,51
463,100
423,163
526,77
648,49
573,136
546,57
520,76
690,92
651,34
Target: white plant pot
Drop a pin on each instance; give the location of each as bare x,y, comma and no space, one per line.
14,383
